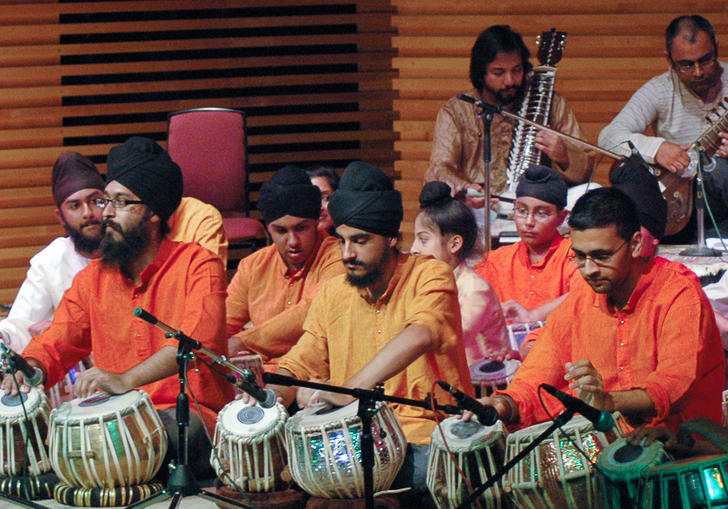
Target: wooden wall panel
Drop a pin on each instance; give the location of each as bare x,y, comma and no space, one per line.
314,77
611,49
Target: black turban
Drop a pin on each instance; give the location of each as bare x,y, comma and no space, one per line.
435,193
634,179
366,199
543,183
289,192
145,168
73,172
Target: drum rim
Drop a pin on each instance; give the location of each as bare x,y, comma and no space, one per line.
307,417
277,415
510,366
605,461
33,403
494,433
694,462
71,411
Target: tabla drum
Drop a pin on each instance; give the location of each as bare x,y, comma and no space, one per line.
622,466
478,452
517,332
555,474
254,363
15,457
698,482
488,375
105,441
249,446
325,454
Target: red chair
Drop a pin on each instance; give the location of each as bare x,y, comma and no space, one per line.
209,145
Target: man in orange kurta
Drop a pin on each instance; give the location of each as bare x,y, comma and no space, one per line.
273,287
638,338
182,284
532,276
392,318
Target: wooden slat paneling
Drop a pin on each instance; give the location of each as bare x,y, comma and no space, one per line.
315,80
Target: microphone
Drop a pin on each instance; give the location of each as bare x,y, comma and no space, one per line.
492,108
148,317
486,414
601,419
266,397
33,376
706,162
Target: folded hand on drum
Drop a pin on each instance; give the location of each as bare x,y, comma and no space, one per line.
8,386
95,378
516,312
334,398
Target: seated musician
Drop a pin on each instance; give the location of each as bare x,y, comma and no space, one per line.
181,284
674,105
76,183
273,287
638,338
534,275
499,72
392,318
445,229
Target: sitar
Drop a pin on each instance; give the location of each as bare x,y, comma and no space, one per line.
535,107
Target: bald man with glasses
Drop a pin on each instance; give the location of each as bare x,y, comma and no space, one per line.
675,105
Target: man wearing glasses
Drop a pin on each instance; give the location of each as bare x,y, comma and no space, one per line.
182,284
675,104
638,338
533,276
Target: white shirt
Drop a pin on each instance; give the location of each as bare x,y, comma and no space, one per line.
50,274
664,102
484,327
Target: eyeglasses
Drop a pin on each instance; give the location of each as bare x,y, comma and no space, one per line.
600,258
118,203
539,215
690,66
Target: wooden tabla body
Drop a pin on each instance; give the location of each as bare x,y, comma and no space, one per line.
478,451
324,450
623,466
555,474
254,363
698,482
488,375
517,332
14,455
105,441
249,446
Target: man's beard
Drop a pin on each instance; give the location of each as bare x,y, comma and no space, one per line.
507,100
123,253
371,277
82,243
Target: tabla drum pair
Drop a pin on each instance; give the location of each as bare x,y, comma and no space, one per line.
477,452
556,473
324,450
623,467
105,441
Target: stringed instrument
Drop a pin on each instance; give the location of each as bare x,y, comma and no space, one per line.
678,188
535,107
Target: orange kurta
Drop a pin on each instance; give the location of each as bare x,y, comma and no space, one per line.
196,221
184,287
263,292
513,277
664,341
344,330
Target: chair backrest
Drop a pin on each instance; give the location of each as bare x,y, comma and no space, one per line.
209,144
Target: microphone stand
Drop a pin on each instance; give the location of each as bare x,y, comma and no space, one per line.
559,421
367,405
701,249
182,481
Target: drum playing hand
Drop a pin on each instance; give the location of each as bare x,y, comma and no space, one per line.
9,386
94,379
587,382
335,398
516,312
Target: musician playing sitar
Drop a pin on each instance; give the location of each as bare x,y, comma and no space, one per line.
675,104
500,72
